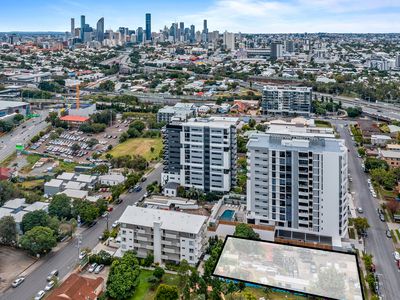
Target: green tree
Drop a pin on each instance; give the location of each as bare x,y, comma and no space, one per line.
375,163
245,231
148,260
138,125
33,219
87,211
61,207
123,277
107,85
8,231
361,224
38,240
8,191
167,292
158,272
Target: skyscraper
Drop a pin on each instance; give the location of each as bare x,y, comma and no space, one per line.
192,33
140,35
100,30
148,27
205,31
276,50
82,28
181,28
229,40
72,27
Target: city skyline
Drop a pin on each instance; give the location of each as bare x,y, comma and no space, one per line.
247,16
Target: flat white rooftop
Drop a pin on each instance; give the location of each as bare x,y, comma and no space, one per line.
321,273
170,220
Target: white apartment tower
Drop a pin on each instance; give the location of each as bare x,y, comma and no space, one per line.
201,153
229,40
297,182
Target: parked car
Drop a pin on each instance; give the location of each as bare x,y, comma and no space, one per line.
17,282
92,267
98,269
50,285
137,188
396,255
382,217
82,255
115,224
388,234
51,275
105,214
40,295
360,210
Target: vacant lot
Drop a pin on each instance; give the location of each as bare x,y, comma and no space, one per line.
143,291
12,263
139,146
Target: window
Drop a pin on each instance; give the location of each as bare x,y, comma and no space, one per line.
190,257
191,250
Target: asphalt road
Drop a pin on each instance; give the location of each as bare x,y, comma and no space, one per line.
66,259
22,135
376,243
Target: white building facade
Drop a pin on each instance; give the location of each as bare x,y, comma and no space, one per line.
298,183
169,235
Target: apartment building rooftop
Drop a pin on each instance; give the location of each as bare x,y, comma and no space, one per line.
302,131
170,220
213,122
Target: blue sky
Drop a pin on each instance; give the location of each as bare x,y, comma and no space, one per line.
269,16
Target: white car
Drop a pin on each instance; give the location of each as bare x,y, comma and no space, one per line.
50,285
396,255
40,295
17,282
82,255
92,267
115,224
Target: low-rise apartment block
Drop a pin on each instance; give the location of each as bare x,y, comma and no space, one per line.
170,236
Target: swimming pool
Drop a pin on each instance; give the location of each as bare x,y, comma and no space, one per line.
227,215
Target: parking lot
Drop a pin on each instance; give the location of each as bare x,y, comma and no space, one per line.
75,146
12,263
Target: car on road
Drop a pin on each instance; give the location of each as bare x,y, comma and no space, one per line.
50,285
137,188
92,267
382,217
17,282
360,210
388,234
105,214
115,224
119,201
99,269
380,211
82,255
144,178
396,255
40,295
51,275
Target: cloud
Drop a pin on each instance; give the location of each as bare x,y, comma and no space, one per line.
285,16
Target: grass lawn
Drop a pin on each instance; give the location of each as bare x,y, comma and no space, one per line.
67,166
30,185
139,146
143,291
323,124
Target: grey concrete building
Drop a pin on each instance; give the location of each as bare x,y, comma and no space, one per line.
201,153
286,100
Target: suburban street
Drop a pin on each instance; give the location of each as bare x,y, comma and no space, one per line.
66,259
22,135
376,243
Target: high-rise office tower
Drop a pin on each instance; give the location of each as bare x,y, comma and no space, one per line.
398,60
276,50
289,46
297,182
148,27
205,31
181,28
83,28
140,35
284,100
192,33
229,40
72,27
201,153
100,30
